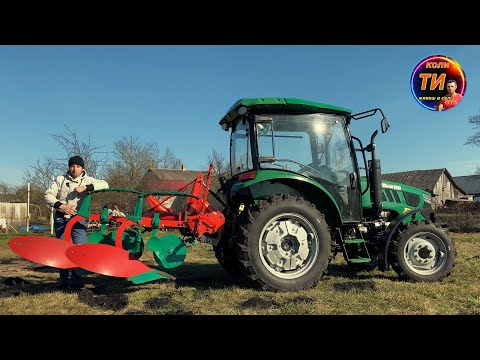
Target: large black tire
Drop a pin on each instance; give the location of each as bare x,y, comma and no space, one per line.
284,244
225,249
422,252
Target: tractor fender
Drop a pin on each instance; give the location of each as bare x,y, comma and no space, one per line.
388,234
278,183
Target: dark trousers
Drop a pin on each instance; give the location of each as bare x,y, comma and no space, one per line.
79,236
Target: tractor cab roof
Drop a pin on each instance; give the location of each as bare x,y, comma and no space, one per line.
278,105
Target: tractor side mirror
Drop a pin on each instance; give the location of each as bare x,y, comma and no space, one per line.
385,125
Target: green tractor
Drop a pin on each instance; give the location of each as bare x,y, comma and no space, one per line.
296,198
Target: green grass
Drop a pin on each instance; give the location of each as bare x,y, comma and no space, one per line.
204,288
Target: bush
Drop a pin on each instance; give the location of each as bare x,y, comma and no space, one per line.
464,218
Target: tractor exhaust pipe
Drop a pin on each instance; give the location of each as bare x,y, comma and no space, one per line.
375,180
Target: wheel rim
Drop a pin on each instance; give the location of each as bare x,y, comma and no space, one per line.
288,246
425,253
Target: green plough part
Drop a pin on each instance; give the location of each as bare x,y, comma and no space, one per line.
169,251
150,276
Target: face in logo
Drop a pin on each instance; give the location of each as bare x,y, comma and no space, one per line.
438,83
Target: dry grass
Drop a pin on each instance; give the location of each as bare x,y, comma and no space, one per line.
204,288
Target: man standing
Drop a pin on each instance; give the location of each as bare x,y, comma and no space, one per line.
451,99
66,195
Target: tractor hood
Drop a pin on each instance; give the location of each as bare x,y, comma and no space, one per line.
398,197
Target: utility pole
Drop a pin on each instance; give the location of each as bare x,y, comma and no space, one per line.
51,214
28,206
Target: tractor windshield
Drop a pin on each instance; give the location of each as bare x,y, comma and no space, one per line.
316,145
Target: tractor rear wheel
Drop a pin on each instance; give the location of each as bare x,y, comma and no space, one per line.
284,244
422,252
225,249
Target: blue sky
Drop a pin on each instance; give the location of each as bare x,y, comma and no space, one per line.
175,95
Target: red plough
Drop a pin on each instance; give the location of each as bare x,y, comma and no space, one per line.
117,253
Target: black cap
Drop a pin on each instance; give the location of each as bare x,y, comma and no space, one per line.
76,160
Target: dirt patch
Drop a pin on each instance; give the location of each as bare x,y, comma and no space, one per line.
355,286
45,269
476,257
473,312
159,303
15,281
8,261
259,302
112,302
179,312
304,299
136,312
10,293
193,280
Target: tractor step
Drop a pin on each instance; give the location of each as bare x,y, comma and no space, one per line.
354,241
360,260
355,250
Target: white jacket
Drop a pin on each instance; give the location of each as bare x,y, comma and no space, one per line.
61,190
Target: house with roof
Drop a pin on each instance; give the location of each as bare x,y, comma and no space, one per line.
438,182
175,180
470,185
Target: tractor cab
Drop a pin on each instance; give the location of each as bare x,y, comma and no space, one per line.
297,137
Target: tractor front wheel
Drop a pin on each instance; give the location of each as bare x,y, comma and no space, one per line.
285,244
422,252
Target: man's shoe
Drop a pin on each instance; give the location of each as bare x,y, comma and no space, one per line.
76,287
63,288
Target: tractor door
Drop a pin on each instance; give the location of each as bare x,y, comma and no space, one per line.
314,145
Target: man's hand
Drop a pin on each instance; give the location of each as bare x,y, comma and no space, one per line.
68,209
80,189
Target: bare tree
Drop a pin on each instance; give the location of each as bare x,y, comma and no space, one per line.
4,188
73,146
8,191
132,158
220,166
37,199
475,138
41,174
169,161
477,172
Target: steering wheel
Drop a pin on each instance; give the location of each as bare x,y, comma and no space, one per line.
309,169
344,180
329,174
322,171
